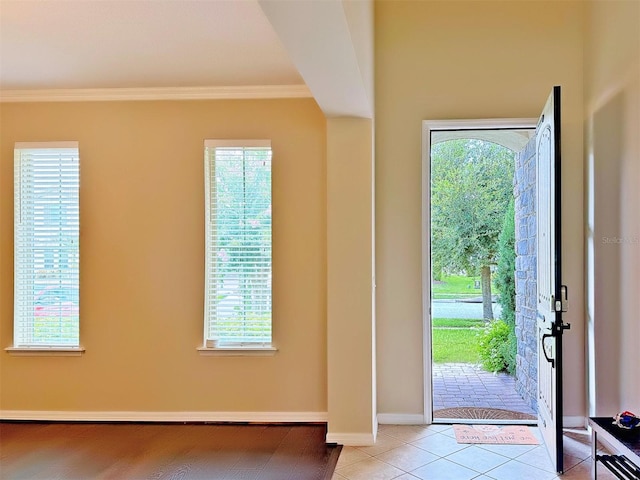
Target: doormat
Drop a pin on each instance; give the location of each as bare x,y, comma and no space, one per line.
505,435
481,413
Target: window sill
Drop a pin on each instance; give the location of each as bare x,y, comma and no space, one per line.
45,351
238,351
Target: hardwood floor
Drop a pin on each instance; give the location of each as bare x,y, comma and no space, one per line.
132,451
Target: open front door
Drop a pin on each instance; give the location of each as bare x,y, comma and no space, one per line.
551,292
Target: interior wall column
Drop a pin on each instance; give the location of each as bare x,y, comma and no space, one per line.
350,282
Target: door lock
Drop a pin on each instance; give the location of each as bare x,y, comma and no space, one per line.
561,304
564,298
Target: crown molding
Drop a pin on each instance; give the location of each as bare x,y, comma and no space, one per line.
161,93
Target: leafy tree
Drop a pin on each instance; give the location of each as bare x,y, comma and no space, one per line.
471,185
243,228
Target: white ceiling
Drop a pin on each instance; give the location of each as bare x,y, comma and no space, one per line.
71,44
73,50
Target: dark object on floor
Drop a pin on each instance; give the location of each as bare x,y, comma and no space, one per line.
132,451
481,413
625,464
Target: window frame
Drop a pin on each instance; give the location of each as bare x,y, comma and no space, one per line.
22,324
213,346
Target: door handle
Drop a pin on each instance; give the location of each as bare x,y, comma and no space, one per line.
552,361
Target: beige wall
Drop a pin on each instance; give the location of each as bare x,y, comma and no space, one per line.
463,60
142,259
612,99
142,202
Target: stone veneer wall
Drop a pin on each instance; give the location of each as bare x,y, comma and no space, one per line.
526,265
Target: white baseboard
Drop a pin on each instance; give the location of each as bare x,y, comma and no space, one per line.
400,419
574,422
352,439
84,416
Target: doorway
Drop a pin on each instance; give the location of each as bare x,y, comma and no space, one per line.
470,341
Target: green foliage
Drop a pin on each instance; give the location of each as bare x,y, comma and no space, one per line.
508,351
249,327
505,272
506,283
495,347
241,231
471,185
436,272
243,210
53,330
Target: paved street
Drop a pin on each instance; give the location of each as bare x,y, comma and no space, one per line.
457,309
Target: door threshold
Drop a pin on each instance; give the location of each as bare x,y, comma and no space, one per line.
483,421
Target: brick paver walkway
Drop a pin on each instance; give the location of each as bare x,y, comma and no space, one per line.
467,385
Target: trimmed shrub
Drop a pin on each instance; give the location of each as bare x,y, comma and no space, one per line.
493,346
505,352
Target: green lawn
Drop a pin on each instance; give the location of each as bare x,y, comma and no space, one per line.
456,286
457,322
455,340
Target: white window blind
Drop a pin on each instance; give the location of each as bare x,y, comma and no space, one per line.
238,242
46,244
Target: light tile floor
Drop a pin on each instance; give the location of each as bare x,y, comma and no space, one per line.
430,452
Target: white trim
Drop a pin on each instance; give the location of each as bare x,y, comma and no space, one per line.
483,123
45,351
211,143
86,416
400,419
41,145
427,127
574,422
161,93
352,439
481,421
426,275
238,351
